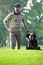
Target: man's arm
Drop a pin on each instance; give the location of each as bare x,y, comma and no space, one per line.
24,25
7,18
5,24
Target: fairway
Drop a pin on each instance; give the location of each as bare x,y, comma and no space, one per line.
20,57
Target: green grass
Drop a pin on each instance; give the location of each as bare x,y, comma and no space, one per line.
21,57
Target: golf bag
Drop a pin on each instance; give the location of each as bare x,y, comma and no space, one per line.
31,41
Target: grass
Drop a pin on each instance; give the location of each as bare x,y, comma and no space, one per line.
21,57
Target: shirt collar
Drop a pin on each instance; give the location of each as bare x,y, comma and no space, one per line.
16,13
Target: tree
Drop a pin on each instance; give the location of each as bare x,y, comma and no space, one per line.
33,10
34,15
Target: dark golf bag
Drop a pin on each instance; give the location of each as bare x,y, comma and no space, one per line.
31,41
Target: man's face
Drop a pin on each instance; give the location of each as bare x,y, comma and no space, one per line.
17,9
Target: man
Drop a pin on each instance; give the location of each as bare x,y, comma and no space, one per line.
16,19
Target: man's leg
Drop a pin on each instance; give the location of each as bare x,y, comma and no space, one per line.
18,37
12,40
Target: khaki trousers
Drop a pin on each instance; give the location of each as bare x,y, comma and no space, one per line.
15,38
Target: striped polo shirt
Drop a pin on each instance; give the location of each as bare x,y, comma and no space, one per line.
15,21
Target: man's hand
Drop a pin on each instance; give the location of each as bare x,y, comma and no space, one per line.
9,30
27,30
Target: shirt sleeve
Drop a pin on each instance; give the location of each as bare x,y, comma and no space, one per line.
23,16
8,17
